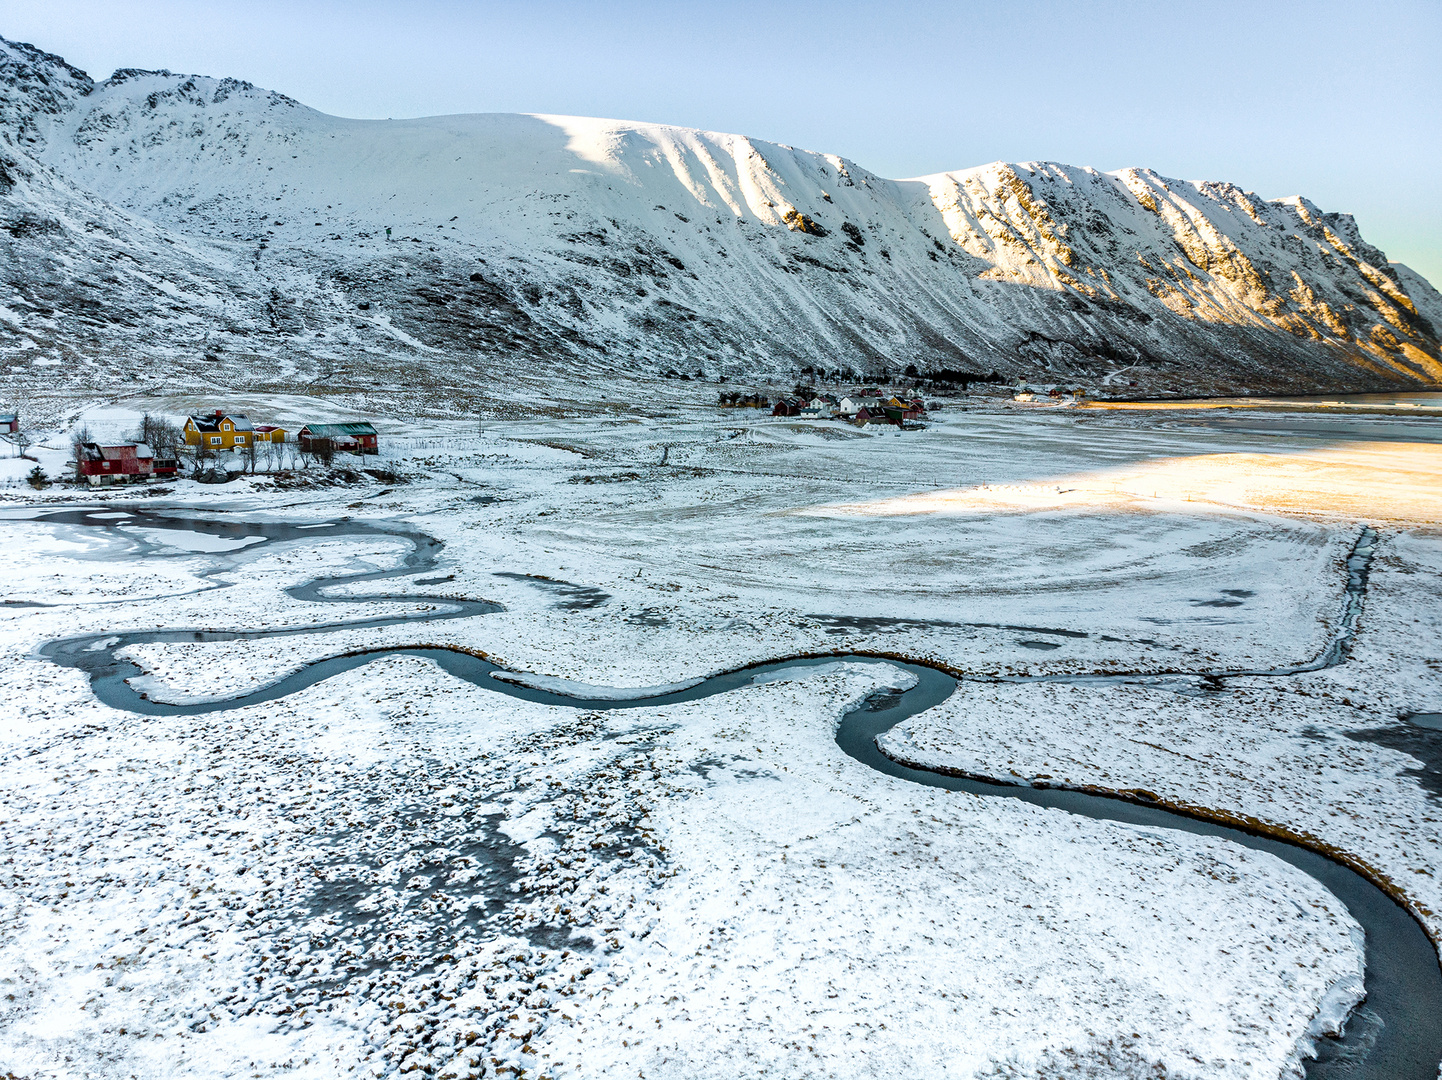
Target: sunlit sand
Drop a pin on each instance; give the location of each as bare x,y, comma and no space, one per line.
1393,482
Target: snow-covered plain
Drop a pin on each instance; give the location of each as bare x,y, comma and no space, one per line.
394,872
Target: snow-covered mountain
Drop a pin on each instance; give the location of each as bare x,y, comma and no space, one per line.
198,232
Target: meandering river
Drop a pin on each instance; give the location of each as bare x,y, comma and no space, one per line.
1395,1035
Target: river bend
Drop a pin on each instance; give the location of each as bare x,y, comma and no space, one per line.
1396,1034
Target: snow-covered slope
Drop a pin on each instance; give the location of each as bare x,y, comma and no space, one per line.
204,232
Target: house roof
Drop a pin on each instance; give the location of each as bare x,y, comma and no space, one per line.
350,429
96,452
211,421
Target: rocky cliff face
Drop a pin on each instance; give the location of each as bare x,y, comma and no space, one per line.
203,233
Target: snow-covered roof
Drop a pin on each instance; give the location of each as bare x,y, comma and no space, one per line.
96,452
350,429
212,421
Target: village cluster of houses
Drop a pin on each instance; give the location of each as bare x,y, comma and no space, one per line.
1025,392
221,430
217,432
742,399
864,408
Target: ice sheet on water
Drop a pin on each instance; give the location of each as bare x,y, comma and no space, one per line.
25,513
193,541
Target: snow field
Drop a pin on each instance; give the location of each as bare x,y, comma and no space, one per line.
277,864
366,833
674,621
1323,755
830,922
314,862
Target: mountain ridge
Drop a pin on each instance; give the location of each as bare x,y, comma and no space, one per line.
161,219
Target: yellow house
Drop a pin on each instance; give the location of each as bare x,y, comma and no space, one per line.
219,431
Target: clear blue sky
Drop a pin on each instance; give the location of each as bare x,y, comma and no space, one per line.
1341,102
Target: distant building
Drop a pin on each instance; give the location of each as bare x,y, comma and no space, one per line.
851,406
269,433
893,410
354,437
739,399
219,431
905,408
10,422
105,465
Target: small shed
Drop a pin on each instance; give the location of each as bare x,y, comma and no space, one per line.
10,423
353,437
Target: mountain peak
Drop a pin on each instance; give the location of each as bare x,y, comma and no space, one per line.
35,84
227,219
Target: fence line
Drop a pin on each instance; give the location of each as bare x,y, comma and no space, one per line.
431,442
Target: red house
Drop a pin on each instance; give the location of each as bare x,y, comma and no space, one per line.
104,465
354,437
869,414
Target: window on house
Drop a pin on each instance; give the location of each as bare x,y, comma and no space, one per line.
215,440
240,438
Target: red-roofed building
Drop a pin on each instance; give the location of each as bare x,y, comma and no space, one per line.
104,465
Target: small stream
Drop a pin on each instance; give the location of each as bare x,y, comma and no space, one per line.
1396,1034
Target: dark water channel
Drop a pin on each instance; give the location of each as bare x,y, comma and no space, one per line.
1396,1034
